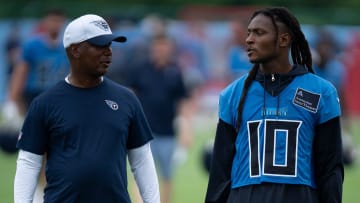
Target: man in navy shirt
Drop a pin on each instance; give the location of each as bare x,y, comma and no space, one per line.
278,137
86,125
159,85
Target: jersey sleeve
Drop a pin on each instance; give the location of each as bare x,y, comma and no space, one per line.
27,50
33,136
139,132
224,109
330,105
228,102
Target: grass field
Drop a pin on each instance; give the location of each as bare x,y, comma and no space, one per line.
191,179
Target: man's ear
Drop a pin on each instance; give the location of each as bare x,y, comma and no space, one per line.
74,51
284,39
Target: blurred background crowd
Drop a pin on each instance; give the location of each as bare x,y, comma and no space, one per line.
207,46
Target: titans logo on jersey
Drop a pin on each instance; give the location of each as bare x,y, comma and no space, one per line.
276,135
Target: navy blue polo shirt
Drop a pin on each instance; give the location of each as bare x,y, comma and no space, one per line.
159,91
85,133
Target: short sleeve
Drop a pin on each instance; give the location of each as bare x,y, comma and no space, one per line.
33,136
225,110
228,102
27,51
139,132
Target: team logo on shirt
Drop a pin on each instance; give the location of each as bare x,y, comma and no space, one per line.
113,105
307,100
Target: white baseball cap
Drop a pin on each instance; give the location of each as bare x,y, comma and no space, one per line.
91,28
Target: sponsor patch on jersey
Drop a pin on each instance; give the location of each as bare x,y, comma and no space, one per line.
307,100
113,105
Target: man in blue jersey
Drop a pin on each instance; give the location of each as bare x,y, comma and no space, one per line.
43,62
86,126
331,67
278,137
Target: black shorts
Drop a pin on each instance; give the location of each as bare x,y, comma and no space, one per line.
273,193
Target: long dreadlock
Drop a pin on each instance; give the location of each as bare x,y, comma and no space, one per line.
300,51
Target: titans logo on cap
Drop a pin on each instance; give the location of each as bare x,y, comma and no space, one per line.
101,24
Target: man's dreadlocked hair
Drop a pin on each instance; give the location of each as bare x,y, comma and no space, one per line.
300,51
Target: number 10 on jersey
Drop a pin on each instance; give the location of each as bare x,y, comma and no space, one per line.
280,147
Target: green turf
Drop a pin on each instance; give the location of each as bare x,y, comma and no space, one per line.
190,180
7,173
352,174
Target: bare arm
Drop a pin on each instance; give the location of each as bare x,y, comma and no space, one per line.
17,84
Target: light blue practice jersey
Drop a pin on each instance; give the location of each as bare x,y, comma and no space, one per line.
274,143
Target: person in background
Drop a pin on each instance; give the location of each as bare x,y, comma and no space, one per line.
278,137
159,85
10,123
238,61
330,67
13,47
41,64
85,126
